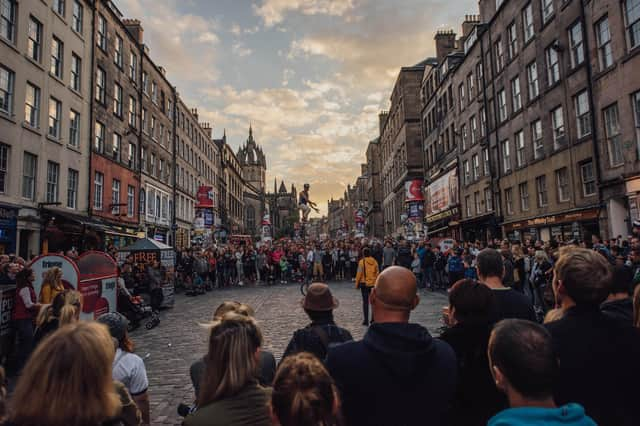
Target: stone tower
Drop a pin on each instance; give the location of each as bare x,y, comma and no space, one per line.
253,163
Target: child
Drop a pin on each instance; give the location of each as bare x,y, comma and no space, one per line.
283,270
416,268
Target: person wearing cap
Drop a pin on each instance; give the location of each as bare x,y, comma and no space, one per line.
323,332
128,367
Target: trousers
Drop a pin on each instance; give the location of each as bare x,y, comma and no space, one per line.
366,291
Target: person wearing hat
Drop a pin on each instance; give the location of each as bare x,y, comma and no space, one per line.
323,332
128,367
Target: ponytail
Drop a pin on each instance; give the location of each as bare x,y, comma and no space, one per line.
67,315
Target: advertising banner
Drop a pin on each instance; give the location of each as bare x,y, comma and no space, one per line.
413,190
70,272
98,284
442,193
205,197
415,211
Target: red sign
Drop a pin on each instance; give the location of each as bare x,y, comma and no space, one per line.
413,190
205,197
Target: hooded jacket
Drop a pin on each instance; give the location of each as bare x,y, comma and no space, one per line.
567,415
397,375
367,271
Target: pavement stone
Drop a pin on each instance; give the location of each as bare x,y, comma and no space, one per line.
169,349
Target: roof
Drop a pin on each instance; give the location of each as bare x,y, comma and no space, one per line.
147,244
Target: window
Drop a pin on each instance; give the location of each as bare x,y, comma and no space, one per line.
102,33
72,189
55,113
635,99
117,99
576,44
583,119
521,155
523,188
516,97
8,18
7,82
98,183
532,80
603,40
118,54
483,122
100,135
74,128
470,86
473,123
463,132
632,22
32,106
76,72
29,170
116,147
476,167
479,76
478,202
34,43
57,55
133,67
499,52
506,157
161,169
562,180
143,159
132,111
53,173
143,202
78,12
131,155
467,172
131,200
485,161
508,200
58,7
527,22
101,82
152,131
547,10
541,190
4,162
557,121
467,204
154,92
461,96
588,179
502,106
144,120
488,200
614,138
115,197
553,65
152,165
512,32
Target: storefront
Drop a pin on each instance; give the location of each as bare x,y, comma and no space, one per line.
574,225
632,187
8,228
481,228
445,224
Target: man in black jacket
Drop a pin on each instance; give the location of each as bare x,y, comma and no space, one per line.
404,257
598,355
398,374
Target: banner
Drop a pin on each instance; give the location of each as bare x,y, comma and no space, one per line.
442,193
98,284
413,190
359,215
41,264
415,211
205,197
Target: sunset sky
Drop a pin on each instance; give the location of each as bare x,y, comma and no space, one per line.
310,75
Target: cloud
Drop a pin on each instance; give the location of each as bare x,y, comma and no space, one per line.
239,49
287,75
273,12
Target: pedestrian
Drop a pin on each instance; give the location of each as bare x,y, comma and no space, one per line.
619,304
366,276
64,310
455,266
519,273
304,393
416,268
427,264
323,333
636,307
51,285
598,356
440,262
388,255
398,373
524,366
25,311
229,392
404,256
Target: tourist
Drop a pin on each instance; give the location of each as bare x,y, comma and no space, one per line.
524,366
51,285
455,266
439,266
398,373
64,310
598,356
470,314
365,280
323,333
388,256
25,311
619,304
508,302
404,256
538,278
230,394
304,393
128,367
416,268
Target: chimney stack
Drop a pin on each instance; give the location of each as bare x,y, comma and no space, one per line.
470,21
207,128
382,120
135,29
445,43
194,112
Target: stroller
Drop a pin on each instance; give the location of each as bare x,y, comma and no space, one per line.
135,309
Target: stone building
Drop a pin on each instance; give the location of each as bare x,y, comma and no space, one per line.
231,190
254,166
335,217
283,208
375,223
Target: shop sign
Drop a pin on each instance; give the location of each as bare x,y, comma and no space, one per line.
443,215
413,190
556,219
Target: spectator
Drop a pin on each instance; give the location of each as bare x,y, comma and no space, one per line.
317,337
619,304
304,393
539,277
64,310
636,307
524,365
24,312
598,356
230,394
404,256
365,280
509,268
427,264
3,396
388,255
470,311
508,302
68,380
440,263
51,285
519,267
416,268
128,367
398,372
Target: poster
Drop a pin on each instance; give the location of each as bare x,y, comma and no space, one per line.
206,197
442,193
413,190
415,211
7,299
98,284
70,272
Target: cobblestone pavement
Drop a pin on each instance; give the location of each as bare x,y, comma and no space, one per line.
170,348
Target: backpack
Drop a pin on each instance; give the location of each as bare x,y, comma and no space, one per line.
455,264
327,344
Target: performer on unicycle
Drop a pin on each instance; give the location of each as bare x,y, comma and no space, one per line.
305,204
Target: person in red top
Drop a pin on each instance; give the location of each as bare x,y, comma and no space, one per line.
24,311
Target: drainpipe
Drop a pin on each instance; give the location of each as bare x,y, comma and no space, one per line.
174,181
92,102
139,129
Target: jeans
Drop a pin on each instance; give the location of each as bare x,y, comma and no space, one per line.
428,276
366,291
24,340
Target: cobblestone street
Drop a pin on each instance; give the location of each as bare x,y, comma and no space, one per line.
170,348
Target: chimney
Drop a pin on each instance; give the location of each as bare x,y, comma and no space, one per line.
445,43
162,70
382,120
470,21
207,129
487,10
135,29
194,112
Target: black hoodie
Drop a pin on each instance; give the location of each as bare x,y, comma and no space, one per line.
397,375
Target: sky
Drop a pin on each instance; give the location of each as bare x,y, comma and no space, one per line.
310,76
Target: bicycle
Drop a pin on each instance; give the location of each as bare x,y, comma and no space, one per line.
304,285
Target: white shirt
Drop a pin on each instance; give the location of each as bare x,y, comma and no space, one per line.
129,369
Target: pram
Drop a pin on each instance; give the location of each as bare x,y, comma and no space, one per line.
135,309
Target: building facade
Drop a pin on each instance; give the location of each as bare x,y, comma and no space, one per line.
375,223
231,191
254,166
283,208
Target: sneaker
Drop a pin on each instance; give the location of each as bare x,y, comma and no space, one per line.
240,283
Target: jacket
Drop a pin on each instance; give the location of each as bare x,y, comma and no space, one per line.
367,272
567,415
309,339
396,375
621,310
20,310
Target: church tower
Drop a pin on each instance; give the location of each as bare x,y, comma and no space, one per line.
253,163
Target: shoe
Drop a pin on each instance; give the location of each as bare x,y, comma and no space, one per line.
366,323
240,284
183,410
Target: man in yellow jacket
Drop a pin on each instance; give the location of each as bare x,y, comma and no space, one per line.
366,276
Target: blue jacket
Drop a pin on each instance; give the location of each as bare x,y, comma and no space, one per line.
567,415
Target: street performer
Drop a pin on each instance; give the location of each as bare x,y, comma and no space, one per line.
305,204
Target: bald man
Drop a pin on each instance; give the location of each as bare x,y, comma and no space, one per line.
397,374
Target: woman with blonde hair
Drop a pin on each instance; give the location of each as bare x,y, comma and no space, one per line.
65,309
304,393
229,391
67,381
51,285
